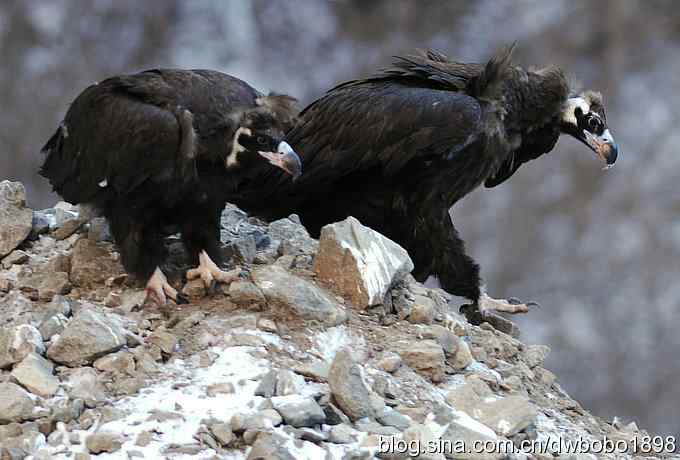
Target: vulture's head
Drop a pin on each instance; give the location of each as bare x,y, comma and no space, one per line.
260,135
583,117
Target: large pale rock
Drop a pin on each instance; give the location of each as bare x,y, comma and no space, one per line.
83,383
506,416
16,405
348,387
36,374
16,220
92,263
88,336
103,441
291,296
298,410
18,342
359,262
462,430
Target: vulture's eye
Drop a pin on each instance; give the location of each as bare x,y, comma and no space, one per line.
261,140
594,125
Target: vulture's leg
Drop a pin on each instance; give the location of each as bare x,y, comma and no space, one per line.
459,274
201,236
142,252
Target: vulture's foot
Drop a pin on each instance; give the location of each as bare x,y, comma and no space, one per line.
211,274
158,290
487,304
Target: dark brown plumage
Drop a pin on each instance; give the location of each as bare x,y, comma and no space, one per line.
398,149
163,150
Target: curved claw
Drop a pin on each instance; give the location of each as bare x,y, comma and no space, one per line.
158,290
181,299
534,304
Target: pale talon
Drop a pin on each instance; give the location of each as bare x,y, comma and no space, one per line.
159,290
488,304
210,273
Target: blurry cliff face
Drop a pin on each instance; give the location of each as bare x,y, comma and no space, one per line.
599,250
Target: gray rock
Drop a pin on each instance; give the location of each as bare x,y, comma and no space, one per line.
44,286
222,433
467,431
271,446
16,220
103,441
36,374
16,257
390,417
16,405
264,420
293,297
164,340
372,427
426,357
83,383
245,293
463,357
343,434
299,411
88,336
422,310
267,385
449,341
242,250
288,383
348,388
121,362
359,262
293,237
506,416
391,362
67,228
92,263
52,325
18,342
534,355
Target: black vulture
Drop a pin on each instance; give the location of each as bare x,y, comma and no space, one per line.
163,150
398,149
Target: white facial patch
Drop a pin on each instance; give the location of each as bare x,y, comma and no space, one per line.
569,111
236,147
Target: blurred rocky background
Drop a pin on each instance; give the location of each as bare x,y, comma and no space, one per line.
599,250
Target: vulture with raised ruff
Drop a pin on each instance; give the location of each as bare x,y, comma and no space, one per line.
398,149
163,150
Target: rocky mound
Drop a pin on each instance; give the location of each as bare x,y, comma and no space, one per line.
326,350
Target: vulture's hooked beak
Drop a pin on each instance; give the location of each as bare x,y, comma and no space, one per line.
603,145
286,159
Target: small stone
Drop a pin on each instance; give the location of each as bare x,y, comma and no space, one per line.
426,357
422,435
422,310
372,427
293,237
16,220
44,286
121,362
67,229
89,335
18,342
93,263
5,285
299,411
103,441
391,417
272,446
359,262
391,362
16,257
163,340
534,355
16,405
463,357
348,387
291,297
220,388
113,300
36,374
195,288
288,383
99,230
83,383
222,433
144,439
446,338
506,416
242,250
267,385
343,434
52,325
267,325
245,293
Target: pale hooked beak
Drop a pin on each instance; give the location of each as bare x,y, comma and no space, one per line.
286,159
603,145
